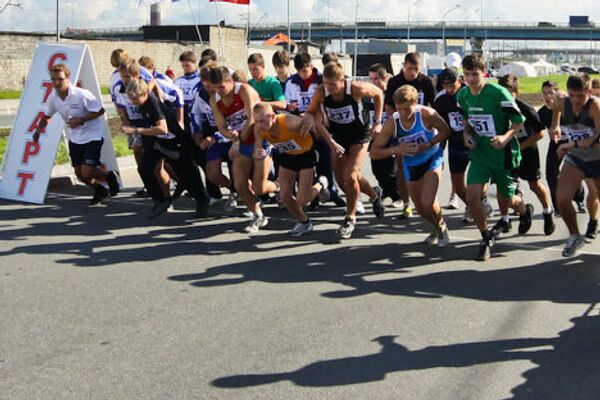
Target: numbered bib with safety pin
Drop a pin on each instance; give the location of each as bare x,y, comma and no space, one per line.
237,121
344,115
417,138
483,125
456,121
290,145
575,135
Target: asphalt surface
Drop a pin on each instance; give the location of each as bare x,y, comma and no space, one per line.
99,303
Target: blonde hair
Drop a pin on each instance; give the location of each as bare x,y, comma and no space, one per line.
146,62
263,107
117,57
239,76
136,88
406,94
333,70
58,68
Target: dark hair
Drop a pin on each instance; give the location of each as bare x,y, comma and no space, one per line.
209,53
302,60
473,61
379,69
329,57
205,60
146,62
550,84
256,58
412,58
188,56
281,58
579,81
218,75
510,82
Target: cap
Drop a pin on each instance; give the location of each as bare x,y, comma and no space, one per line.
449,75
453,60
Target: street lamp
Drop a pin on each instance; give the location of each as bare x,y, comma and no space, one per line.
455,7
414,3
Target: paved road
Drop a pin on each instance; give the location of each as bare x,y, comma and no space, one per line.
99,303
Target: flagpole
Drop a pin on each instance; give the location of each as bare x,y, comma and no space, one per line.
289,28
248,29
195,24
58,20
219,29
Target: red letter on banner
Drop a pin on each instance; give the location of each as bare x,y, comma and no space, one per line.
31,149
54,58
36,121
48,87
25,176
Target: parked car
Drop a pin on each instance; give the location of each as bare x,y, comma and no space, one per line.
588,70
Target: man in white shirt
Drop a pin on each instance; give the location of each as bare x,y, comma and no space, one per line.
81,111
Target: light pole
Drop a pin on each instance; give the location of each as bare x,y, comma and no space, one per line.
58,20
289,46
414,3
355,40
475,11
455,7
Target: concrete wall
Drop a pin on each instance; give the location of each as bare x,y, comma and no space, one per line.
17,50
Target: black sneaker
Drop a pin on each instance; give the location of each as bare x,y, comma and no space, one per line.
339,202
592,227
485,246
525,220
501,227
159,208
100,193
113,183
549,226
201,209
378,208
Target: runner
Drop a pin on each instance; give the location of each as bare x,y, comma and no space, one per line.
297,158
529,169
341,99
492,118
281,63
82,112
148,63
408,75
417,132
549,90
299,92
268,87
163,138
580,114
384,169
233,106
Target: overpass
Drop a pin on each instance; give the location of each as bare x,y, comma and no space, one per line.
496,30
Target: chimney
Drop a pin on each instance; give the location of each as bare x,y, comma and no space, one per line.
155,14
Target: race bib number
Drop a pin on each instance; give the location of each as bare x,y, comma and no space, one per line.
384,117
483,125
305,99
237,121
288,146
456,121
575,135
417,138
133,112
344,115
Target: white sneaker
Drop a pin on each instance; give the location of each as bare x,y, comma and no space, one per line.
453,202
467,219
300,229
397,204
443,238
346,228
432,238
324,195
360,208
256,224
231,203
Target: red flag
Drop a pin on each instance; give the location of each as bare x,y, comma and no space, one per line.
231,1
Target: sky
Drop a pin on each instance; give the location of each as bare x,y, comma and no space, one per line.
40,15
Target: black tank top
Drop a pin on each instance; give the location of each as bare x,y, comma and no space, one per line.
345,117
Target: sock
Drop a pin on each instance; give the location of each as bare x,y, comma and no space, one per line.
548,210
258,213
505,218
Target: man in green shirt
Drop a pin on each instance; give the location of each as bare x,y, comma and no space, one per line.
268,87
492,118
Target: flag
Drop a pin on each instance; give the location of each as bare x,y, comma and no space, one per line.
143,3
246,2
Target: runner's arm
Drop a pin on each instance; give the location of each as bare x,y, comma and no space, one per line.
250,98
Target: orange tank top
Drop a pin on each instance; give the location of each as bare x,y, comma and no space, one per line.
290,142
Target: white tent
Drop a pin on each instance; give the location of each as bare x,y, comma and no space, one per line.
544,68
518,68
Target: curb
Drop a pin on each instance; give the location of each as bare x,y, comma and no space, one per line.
62,175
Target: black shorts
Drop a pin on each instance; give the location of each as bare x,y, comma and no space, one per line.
529,170
298,162
85,154
348,140
458,160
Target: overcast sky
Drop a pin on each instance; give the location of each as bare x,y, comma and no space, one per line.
37,15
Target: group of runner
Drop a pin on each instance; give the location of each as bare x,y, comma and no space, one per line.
303,138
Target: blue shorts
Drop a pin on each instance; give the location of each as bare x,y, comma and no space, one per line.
414,173
590,169
458,160
218,151
248,149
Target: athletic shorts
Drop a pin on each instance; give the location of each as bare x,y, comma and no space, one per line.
590,169
504,179
413,173
218,151
458,160
348,140
85,154
297,162
529,170
248,149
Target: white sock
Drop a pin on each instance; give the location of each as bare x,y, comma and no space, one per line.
258,213
505,218
548,210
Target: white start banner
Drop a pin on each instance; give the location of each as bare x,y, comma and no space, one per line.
27,165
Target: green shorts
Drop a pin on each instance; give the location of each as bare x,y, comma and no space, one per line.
480,174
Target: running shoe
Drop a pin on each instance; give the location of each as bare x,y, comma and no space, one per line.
378,208
452,202
360,208
231,203
485,246
113,183
300,229
346,228
324,195
433,237
443,237
397,204
573,244
159,208
549,226
100,194
406,212
467,218
525,219
489,210
256,224
501,227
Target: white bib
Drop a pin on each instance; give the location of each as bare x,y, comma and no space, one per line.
290,145
456,121
344,115
237,121
483,124
417,138
575,135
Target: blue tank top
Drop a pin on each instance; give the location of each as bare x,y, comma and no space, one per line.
419,134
